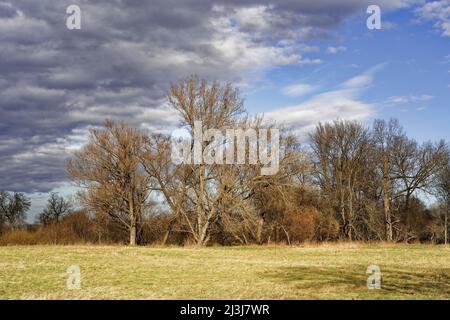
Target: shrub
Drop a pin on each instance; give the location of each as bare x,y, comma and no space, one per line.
18,237
301,223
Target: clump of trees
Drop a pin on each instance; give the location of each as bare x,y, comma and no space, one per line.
350,182
362,171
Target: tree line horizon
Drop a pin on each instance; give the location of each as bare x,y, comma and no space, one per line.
349,182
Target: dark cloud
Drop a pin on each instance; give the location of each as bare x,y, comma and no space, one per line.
7,11
55,83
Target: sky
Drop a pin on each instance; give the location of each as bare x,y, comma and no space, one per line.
297,62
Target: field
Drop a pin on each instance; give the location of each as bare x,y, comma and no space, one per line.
270,272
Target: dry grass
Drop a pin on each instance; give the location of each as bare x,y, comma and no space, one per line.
306,272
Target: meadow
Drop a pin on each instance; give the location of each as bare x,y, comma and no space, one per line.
326,271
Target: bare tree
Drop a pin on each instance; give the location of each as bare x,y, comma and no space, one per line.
386,137
13,208
197,192
415,166
110,170
405,167
213,198
167,179
342,151
56,208
273,196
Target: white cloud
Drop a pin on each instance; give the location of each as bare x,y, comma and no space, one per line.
303,61
257,17
409,99
364,79
334,50
243,53
439,13
341,103
297,90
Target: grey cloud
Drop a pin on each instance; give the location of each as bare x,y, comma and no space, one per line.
55,83
7,11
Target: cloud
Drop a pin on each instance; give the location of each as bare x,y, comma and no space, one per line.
409,99
57,83
297,90
334,50
342,103
437,12
364,79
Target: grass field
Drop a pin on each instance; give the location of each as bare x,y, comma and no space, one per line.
311,272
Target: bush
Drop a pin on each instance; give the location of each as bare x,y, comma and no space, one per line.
80,228
18,237
74,228
301,224
327,228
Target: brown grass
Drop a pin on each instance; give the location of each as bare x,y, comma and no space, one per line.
321,271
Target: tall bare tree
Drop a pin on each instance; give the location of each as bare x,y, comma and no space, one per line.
386,136
110,170
342,150
213,106
208,198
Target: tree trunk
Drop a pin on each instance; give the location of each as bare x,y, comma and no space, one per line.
203,218
344,220
259,230
387,209
132,220
287,235
203,237
133,234
169,230
446,226
350,210
166,236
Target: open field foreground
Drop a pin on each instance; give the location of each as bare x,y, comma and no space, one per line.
314,272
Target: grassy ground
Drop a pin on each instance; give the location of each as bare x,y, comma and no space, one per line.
313,272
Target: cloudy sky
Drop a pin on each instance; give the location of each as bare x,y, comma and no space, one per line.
296,61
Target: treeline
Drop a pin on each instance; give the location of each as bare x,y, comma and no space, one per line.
349,182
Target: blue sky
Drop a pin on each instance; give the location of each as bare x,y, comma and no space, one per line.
412,83
297,61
